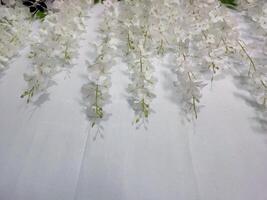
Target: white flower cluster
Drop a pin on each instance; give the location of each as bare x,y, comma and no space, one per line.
96,91
14,29
55,46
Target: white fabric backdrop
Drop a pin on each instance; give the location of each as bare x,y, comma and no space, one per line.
47,151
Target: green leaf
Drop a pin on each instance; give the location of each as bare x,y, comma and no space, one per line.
229,3
93,124
40,15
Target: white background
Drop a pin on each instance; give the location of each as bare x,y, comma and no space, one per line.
47,151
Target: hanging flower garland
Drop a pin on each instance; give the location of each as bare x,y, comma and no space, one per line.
187,29
135,41
55,47
96,91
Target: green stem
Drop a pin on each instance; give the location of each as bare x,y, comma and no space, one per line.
194,106
250,59
141,62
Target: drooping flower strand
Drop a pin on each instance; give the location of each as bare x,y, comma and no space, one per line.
142,85
171,37
161,21
55,47
14,31
252,77
214,46
189,81
137,43
254,65
96,91
182,56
